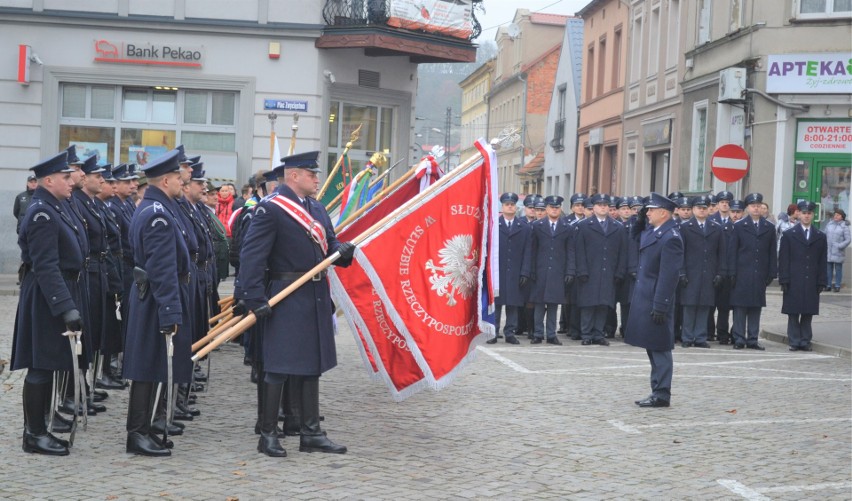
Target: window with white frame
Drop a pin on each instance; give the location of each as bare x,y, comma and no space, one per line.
636,49
673,38
705,8
735,17
815,9
654,42
124,124
698,155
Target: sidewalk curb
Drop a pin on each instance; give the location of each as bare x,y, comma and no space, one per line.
825,349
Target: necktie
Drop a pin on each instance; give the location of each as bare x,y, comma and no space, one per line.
552,228
807,234
701,225
603,225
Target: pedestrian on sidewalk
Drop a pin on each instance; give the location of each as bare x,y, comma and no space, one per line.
837,233
801,273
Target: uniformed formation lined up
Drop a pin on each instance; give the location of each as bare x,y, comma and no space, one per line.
112,291
590,260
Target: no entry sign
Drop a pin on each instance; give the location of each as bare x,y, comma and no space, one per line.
729,163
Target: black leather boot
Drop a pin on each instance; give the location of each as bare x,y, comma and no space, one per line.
313,439
139,439
175,428
268,443
293,407
36,439
60,423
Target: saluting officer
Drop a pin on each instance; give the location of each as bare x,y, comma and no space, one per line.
651,321
290,236
514,235
802,264
160,302
752,262
601,264
49,300
548,264
703,271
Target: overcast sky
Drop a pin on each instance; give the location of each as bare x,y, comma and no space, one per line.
501,12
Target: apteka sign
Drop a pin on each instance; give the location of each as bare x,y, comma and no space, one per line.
107,51
823,73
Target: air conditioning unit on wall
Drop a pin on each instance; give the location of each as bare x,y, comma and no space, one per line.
732,85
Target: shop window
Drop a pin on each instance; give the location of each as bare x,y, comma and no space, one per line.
74,101
163,107
698,156
103,103
141,145
89,141
222,112
377,128
208,141
195,107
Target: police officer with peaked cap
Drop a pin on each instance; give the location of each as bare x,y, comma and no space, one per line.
548,264
802,264
160,302
50,299
513,239
651,321
720,329
298,338
753,265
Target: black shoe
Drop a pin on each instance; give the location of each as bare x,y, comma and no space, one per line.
724,341
601,341
157,427
492,341
144,445
652,401
182,415
197,387
168,444
701,345
756,346
269,445
68,405
92,406
793,348
562,330
512,340
807,347
99,395
610,335
319,443
553,340
576,338
60,424
536,340
739,346
499,336
45,444
686,344
837,289
246,360
586,342
107,383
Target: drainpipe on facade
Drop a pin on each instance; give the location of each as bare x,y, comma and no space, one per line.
523,121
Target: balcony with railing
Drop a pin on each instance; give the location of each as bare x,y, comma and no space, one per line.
558,141
403,28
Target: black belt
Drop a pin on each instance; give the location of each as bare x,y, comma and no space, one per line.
98,256
295,275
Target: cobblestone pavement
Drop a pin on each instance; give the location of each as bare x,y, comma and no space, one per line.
521,422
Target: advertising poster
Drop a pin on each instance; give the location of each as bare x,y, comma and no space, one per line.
445,17
141,155
86,149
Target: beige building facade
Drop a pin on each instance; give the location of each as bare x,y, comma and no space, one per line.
474,116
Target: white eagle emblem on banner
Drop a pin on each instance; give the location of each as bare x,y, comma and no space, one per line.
458,271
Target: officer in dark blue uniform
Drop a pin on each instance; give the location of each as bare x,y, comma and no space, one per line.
123,214
601,264
298,335
160,302
752,262
651,321
723,292
514,236
703,271
624,293
525,316
548,264
577,212
802,263
569,309
50,298
113,341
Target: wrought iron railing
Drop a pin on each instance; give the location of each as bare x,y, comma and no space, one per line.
353,13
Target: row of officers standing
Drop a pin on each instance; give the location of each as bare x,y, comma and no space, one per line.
106,284
588,260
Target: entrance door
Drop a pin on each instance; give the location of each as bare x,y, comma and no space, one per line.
824,181
660,172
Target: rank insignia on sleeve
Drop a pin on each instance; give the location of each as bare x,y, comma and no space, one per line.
40,215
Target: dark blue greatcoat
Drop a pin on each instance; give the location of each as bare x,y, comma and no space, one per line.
159,241
802,267
298,337
548,259
723,293
602,257
704,255
201,254
113,340
625,291
123,216
513,246
752,258
97,266
50,248
660,259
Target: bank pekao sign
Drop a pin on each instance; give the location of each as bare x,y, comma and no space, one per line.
110,51
821,73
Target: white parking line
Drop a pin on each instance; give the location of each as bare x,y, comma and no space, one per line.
503,360
637,428
756,494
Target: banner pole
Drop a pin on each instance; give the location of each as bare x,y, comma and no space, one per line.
352,138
